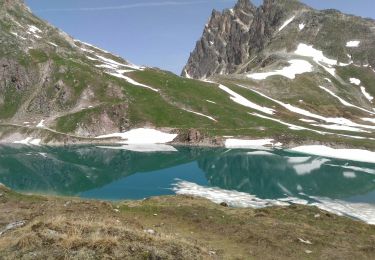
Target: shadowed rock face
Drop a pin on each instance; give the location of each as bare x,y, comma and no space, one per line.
230,37
239,39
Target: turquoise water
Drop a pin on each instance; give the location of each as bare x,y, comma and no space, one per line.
91,172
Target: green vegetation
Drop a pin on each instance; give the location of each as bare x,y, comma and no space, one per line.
174,227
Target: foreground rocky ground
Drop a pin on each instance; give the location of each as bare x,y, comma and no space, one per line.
175,227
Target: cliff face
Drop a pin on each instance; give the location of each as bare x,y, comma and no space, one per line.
231,37
239,39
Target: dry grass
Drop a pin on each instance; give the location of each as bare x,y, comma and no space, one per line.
185,228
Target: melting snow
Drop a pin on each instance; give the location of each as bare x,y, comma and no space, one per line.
353,44
345,154
301,26
366,94
87,50
296,67
341,128
200,114
307,120
116,64
41,124
34,29
92,46
217,195
318,56
209,101
285,24
339,121
355,81
240,143
187,74
15,34
142,136
53,44
245,102
131,81
344,102
362,211
29,141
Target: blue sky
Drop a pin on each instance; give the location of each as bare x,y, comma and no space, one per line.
158,33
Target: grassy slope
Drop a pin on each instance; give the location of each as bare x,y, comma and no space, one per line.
73,76
185,228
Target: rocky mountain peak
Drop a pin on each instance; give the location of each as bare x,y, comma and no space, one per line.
243,38
245,5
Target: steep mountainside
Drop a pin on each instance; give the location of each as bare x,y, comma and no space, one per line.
317,65
244,38
55,89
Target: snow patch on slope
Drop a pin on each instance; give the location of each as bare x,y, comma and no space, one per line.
241,143
245,102
142,136
131,81
344,102
29,141
355,81
366,94
200,114
352,44
339,121
318,56
296,67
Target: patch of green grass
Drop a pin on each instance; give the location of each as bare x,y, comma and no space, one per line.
11,103
38,56
366,75
69,123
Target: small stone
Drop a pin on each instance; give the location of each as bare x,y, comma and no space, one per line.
150,231
304,241
317,216
308,251
155,215
224,204
116,210
211,252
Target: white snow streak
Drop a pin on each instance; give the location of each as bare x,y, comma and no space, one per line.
200,114
285,24
245,102
344,102
241,143
131,81
366,94
296,67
